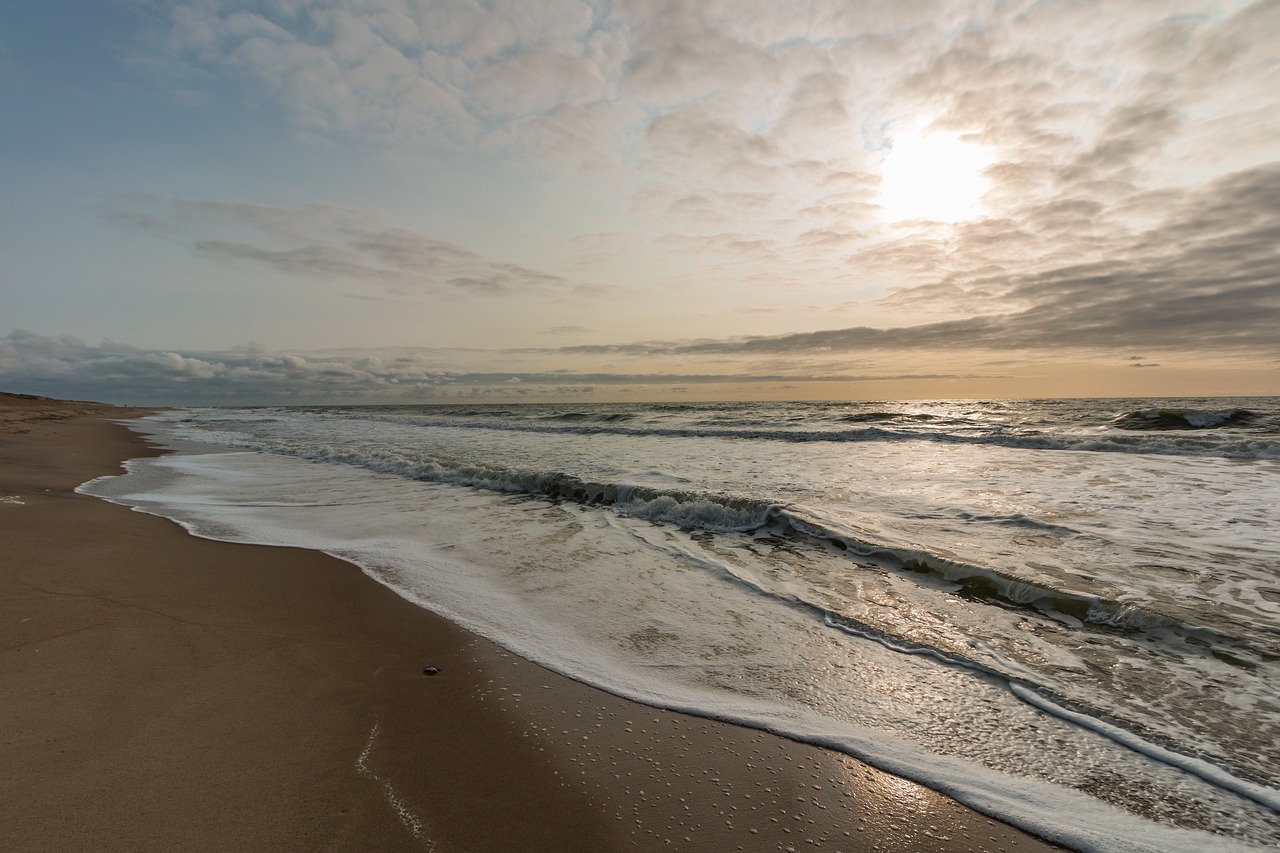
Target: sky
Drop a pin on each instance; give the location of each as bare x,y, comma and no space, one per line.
306,201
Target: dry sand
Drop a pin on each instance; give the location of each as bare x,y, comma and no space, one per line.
163,692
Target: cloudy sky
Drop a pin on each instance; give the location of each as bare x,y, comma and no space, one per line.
423,200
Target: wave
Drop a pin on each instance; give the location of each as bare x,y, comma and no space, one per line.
1234,446
1040,696
699,511
1075,610
687,509
1183,419
888,417
590,417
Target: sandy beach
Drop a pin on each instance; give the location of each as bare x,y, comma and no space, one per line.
164,692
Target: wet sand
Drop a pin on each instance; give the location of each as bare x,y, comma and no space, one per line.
173,693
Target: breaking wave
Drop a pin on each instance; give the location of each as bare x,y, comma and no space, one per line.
720,513
1172,419
1243,429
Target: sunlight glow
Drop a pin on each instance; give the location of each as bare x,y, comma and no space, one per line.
935,176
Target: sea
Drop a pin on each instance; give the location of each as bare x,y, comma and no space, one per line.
1062,613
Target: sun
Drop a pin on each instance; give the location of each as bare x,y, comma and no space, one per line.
935,176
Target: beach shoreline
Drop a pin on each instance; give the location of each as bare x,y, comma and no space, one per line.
167,690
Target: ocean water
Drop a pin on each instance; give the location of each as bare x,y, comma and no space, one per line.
1064,613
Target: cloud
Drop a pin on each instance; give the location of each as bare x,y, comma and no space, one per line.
243,374
754,130
1203,276
331,241
1087,308
397,73
1091,138
728,155
1206,278
66,366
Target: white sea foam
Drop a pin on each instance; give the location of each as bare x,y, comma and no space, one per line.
412,822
